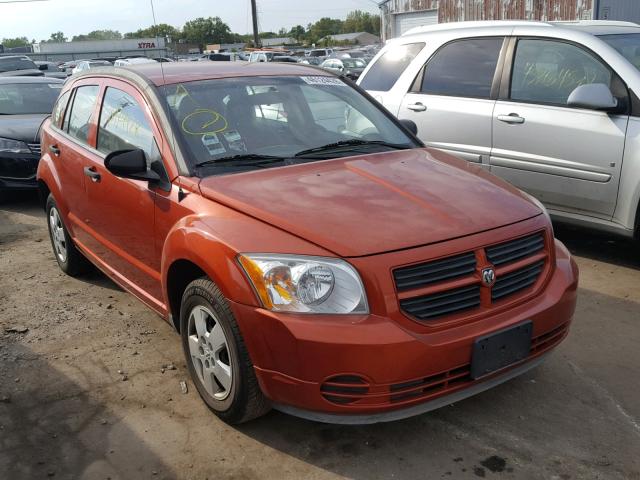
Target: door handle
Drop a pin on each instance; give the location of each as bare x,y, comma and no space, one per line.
512,118
417,107
55,150
92,174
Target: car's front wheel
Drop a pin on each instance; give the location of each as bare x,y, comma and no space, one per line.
70,260
216,355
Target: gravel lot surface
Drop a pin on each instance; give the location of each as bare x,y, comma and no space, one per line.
90,388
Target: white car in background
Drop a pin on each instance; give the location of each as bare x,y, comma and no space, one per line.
89,64
125,62
551,107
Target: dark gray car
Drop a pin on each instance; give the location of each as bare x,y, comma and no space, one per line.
25,102
19,65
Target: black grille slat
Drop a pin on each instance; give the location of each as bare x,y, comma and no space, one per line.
35,148
431,306
516,281
515,249
436,271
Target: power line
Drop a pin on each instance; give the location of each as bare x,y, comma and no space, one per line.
22,1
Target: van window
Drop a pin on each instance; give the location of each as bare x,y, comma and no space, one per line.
123,125
463,68
84,102
547,71
386,71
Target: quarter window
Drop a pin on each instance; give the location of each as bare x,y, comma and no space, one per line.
384,74
546,71
124,126
463,68
84,102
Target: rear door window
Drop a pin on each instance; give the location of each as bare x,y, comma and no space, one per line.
463,68
386,71
84,103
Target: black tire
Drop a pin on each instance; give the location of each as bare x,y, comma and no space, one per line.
245,400
74,263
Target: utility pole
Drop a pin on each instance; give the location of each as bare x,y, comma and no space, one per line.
254,14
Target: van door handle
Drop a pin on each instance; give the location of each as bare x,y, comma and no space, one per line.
55,150
512,118
92,174
417,107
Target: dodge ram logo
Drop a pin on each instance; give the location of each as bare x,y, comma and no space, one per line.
488,277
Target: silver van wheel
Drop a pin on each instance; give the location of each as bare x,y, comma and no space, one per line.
57,234
210,352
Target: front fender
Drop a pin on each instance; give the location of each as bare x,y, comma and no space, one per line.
191,240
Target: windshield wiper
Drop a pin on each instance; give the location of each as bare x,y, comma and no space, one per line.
355,142
243,160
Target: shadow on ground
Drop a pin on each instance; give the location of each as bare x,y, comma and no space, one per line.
51,428
604,247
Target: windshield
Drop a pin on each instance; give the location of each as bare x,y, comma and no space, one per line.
318,53
27,98
9,64
627,45
277,117
353,63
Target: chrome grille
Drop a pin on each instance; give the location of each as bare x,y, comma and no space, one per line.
436,271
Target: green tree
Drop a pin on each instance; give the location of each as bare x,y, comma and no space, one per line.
161,30
99,35
205,31
15,42
359,21
57,37
298,32
323,27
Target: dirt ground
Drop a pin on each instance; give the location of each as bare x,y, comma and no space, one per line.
90,389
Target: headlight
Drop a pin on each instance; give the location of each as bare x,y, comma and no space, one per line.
287,283
13,146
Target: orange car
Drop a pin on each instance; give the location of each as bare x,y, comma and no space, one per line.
313,255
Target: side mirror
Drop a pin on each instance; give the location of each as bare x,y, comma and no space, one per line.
410,125
130,164
43,66
595,96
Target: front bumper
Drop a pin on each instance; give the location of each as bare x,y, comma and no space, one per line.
18,171
370,368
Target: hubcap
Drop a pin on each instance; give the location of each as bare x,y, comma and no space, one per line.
57,234
210,352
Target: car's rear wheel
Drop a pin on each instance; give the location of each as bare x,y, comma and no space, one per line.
216,355
70,260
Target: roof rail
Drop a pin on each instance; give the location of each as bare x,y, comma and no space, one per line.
473,24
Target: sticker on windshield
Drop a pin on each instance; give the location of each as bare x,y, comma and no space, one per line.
213,144
317,80
234,140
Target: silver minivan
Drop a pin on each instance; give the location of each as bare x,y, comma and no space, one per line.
551,107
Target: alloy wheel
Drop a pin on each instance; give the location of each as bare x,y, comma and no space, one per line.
210,352
57,234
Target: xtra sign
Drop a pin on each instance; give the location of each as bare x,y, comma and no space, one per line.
143,45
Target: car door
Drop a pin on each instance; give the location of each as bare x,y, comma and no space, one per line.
120,212
69,146
569,158
453,98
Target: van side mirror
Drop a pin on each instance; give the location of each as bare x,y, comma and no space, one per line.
130,164
410,125
595,96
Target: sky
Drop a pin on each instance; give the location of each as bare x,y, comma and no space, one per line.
38,20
